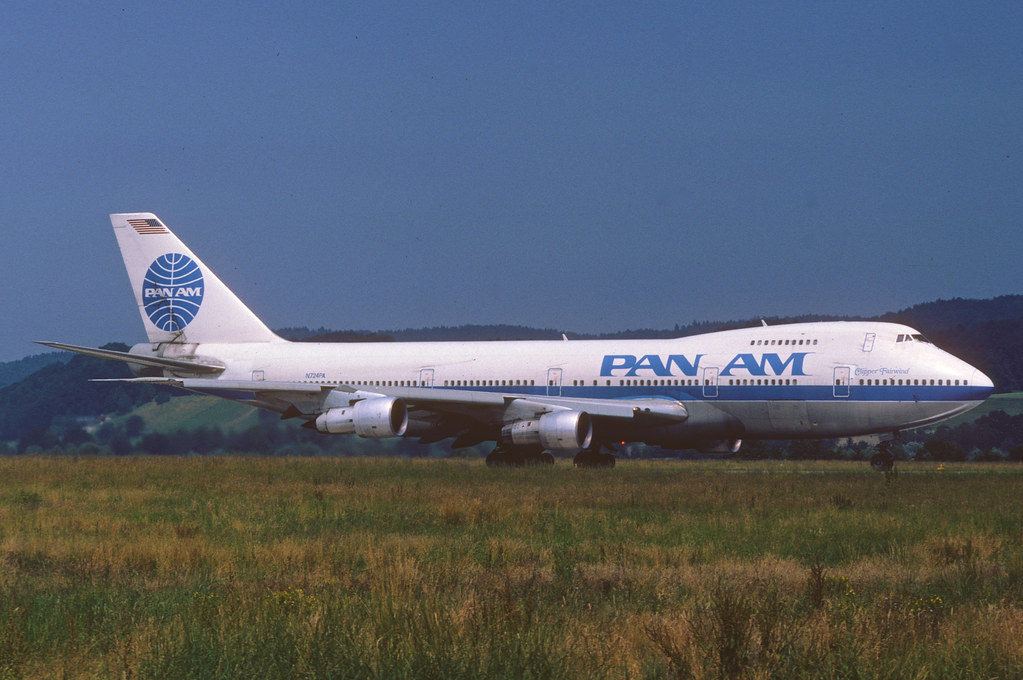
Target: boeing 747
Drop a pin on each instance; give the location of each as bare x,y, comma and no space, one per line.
537,398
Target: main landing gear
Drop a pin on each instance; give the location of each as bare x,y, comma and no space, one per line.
518,456
884,459
594,459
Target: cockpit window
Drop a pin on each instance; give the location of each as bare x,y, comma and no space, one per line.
915,337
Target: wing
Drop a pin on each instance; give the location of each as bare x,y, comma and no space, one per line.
430,413
433,414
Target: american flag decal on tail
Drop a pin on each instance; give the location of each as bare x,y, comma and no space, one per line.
144,227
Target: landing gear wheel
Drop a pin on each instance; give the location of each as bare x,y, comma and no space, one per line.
594,459
501,457
518,456
884,460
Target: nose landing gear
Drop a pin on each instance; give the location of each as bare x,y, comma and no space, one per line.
884,459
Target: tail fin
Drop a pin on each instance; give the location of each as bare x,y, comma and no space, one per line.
179,298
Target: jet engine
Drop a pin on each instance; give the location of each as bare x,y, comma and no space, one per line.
375,418
558,431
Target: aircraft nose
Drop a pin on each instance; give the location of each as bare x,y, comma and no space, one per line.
980,380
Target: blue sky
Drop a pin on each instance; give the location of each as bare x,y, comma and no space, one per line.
580,166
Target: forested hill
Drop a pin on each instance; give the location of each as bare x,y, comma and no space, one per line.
13,371
61,391
959,312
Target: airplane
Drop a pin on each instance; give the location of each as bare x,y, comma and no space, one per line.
534,399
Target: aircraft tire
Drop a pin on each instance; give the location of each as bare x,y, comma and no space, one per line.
518,457
593,459
500,458
882,462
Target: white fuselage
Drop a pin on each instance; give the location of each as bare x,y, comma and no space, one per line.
828,379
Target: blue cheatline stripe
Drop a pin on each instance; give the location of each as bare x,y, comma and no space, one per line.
868,393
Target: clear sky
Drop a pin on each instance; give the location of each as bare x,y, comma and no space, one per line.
580,166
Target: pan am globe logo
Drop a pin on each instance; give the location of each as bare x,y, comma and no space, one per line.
172,291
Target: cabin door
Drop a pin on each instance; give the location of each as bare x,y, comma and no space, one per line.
554,382
710,381
842,381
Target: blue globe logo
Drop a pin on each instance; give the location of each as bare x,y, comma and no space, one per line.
172,292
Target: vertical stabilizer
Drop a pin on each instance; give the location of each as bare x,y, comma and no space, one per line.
179,298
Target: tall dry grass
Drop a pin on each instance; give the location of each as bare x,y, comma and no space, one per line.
231,567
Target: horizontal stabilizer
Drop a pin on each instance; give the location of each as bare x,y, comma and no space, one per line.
142,360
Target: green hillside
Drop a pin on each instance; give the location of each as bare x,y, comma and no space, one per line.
1011,403
192,412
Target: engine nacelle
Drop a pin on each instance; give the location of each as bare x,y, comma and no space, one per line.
721,446
375,418
558,431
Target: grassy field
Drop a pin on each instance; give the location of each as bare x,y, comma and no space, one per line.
342,568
